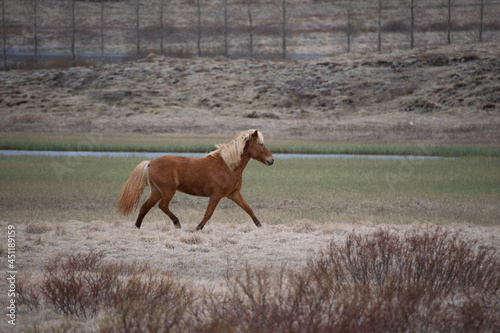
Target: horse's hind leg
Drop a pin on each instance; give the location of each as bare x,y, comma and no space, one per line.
154,197
163,205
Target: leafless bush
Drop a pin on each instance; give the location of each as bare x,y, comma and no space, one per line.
423,281
405,283
256,300
28,295
69,284
380,283
135,296
149,303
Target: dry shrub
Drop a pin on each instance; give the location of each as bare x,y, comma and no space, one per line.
415,283
424,281
148,304
28,295
256,300
133,297
433,281
73,284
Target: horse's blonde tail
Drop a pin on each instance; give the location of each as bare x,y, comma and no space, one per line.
133,188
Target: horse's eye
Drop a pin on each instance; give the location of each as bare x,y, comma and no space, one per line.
261,144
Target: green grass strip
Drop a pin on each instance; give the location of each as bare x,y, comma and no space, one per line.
58,144
420,150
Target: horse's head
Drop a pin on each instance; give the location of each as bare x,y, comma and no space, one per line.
257,150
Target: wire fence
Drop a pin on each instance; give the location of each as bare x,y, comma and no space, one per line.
33,31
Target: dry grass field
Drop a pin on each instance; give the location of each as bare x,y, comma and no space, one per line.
233,270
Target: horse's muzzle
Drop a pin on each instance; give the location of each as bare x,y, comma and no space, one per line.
270,161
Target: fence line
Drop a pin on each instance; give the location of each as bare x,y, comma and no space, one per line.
236,28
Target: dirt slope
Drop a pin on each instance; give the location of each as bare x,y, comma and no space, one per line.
446,94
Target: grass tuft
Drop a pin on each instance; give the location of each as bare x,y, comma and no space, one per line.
36,228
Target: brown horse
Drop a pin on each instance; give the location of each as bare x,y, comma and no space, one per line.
216,175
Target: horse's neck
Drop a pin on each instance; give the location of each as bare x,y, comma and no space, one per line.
244,161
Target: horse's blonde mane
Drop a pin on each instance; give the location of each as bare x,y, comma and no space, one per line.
231,151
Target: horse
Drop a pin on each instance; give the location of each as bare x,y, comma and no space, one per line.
217,175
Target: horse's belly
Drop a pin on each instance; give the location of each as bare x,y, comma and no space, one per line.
193,190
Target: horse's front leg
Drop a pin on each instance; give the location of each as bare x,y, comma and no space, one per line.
238,198
214,201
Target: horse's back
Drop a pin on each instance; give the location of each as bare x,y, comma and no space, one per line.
173,162
172,168
166,162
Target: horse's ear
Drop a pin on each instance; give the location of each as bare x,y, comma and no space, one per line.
255,135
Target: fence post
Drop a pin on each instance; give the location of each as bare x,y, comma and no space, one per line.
137,27
198,28
349,26
448,37
481,14
73,33
412,23
283,29
102,31
379,48
250,26
161,25
225,28
34,6
4,37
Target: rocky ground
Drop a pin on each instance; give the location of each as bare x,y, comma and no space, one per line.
448,94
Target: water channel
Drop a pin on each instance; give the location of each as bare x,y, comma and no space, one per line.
156,155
